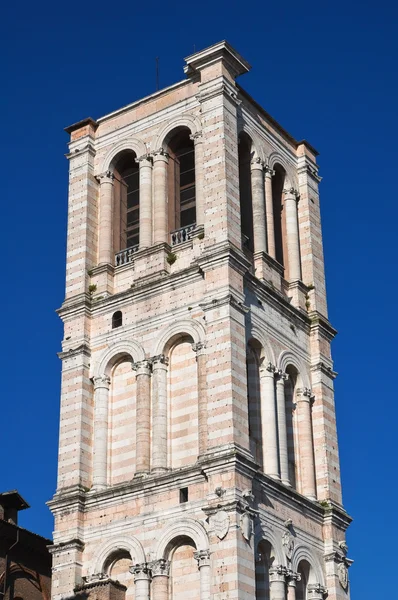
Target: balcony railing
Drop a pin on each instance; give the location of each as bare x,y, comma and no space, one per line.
182,235
125,256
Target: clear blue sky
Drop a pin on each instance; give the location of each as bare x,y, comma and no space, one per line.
327,72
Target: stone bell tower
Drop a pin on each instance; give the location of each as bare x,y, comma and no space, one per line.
198,450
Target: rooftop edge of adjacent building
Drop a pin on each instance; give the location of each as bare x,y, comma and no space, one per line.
237,66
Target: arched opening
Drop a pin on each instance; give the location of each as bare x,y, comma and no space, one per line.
278,182
122,423
290,388
126,208
254,400
304,570
245,191
181,184
264,560
184,582
117,567
117,319
183,403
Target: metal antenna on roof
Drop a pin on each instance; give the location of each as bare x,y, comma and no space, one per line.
157,73
194,47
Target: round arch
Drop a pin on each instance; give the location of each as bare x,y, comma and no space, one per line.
164,134
114,352
115,544
257,335
275,158
132,143
183,527
302,552
287,358
187,326
264,533
257,143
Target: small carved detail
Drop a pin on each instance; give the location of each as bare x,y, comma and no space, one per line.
288,544
101,381
342,572
246,526
220,523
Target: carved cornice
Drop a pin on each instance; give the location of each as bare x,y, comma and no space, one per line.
309,170
89,148
225,300
325,369
74,544
82,349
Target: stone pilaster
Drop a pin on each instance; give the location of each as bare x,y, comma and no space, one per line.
100,444
281,377
304,401
105,228
269,421
159,407
143,416
258,201
292,234
160,224
145,163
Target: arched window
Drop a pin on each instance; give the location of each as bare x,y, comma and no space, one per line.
278,182
181,182
245,191
127,202
117,319
304,569
117,567
264,560
254,401
290,387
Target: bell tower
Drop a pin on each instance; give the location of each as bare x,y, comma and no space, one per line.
198,453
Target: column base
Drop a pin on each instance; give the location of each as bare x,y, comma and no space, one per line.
159,470
140,474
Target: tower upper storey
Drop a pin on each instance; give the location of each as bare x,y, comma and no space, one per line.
184,172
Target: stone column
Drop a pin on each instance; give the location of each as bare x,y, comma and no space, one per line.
269,210
306,443
316,591
292,579
141,580
282,429
200,350
258,201
292,234
269,421
199,199
159,423
203,559
105,221
277,583
160,579
100,443
160,196
145,236
143,416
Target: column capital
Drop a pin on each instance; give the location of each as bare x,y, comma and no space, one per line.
316,591
197,137
267,369
106,177
160,567
202,557
304,395
159,361
277,573
199,348
144,160
291,194
281,376
142,367
268,171
160,155
140,571
257,163
101,381
292,578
